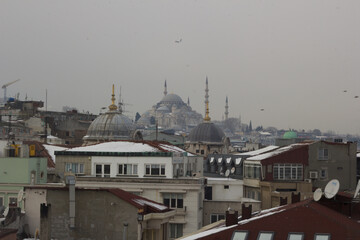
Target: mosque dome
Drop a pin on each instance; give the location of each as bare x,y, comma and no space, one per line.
163,109
206,132
112,125
172,99
290,135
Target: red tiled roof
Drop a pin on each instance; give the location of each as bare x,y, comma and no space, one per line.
308,217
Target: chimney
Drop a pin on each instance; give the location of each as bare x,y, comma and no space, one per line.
295,197
283,201
245,211
231,218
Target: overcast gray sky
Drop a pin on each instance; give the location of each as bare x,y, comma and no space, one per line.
292,58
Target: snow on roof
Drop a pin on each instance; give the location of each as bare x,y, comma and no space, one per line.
237,161
116,147
143,202
228,160
127,146
262,214
222,179
51,150
358,155
274,153
259,151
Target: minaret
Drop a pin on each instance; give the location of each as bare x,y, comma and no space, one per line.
226,109
165,89
207,118
113,106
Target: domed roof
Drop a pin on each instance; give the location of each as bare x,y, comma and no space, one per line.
290,135
111,126
171,98
206,132
163,109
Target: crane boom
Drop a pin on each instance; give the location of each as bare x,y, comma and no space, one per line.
9,83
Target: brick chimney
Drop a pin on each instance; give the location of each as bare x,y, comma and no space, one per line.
295,197
231,218
283,201
245,211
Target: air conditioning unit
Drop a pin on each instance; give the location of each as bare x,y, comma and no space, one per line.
313,174
308,180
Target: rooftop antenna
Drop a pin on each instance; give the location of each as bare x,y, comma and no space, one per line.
332,188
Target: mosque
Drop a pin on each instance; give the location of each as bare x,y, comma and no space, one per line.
112,126
207,138
171,113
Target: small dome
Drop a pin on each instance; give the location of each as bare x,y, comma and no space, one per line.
206,132
172,99
110,126
290,135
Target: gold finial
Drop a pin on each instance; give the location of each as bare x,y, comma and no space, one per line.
207,117
113,106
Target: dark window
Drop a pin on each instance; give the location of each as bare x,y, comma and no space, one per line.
226,186
147,170
173,200
208,193
202,152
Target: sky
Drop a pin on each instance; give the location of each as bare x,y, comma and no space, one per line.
294,59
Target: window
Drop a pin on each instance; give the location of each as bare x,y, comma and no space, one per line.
322,236
323,173
288,172
265,236
252,171
155,169
216,217
173,200
295,236
202,152
12,200
128,169
323,154
77,168
176,230
239,235
1,201
208,193
102,170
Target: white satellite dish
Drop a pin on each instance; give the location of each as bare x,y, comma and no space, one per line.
318,194
232,170
357,189
20,196
6,212
227,173
332,188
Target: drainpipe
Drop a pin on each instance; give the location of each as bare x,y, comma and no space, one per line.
125,230
70,180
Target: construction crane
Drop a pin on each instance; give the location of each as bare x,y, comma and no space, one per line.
5,87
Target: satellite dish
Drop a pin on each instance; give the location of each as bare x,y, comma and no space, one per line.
6,212
332,188
318,194
227,173
20,196
232,170
357,189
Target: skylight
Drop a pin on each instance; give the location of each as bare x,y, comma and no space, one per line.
240,235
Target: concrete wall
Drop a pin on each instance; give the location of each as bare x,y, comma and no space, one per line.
33,199
341,164
226,189
99,215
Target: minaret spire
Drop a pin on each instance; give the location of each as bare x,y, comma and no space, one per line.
226,109
188,103
120,102
113,106
207,117
165,88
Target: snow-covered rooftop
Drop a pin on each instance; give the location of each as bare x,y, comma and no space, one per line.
259,151
143,202
274,153
51,150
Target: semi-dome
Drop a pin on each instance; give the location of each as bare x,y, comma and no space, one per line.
206,132
290,135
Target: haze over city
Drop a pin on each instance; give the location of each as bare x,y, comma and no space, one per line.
296,60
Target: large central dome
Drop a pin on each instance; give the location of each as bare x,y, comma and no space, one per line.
206,132
112,125
172,99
